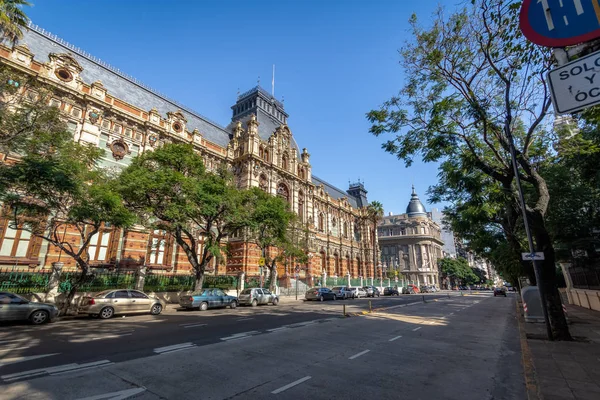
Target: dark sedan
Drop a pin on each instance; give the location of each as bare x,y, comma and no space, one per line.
390,291
16,308
320,294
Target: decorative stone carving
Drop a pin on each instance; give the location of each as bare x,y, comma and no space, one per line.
119,149
94,115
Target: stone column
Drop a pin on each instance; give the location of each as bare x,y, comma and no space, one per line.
54,282
140,277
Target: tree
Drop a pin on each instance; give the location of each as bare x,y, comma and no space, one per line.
169,189
25,112
475,85
12,19
457,270
54,186
374,215
270,222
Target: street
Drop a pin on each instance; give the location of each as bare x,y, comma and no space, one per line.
449,347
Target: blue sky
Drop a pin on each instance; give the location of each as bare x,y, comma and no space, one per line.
335,60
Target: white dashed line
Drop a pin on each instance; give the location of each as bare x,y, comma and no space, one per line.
241,335
14,360
417,328
394,338
244,319
358,354
281,328
192,325
122,394
175,347
290,385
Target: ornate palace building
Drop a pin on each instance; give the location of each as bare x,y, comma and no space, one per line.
411,243
117,113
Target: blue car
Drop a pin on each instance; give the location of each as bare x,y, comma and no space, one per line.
208,298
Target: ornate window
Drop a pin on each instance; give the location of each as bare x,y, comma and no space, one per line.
158,248
337,268
15,242
301,206
321,223
263,183
283,192
345,230
261,152
266,155
334,227
301,173
100,244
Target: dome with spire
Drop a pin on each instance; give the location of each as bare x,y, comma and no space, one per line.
415,207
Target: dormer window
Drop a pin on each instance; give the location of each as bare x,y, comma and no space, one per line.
64,75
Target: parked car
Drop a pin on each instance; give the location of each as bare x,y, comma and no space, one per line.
342,292
319,293
499,291
358,292
413,288
16,308
372,291
208,298
425,289
390,291
123,301
256,296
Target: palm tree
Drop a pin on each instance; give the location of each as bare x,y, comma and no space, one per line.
12,19
374,214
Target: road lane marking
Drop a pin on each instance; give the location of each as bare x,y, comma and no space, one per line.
417,328
109,336
120,395
451,314
358,354
244,319
60,369
240,335
291,385
175,347
14,360
394,338
281,328
191,325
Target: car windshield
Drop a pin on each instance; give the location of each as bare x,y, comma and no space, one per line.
246,291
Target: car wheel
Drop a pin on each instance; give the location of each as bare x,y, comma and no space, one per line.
106,313
39,317
254,303
203,306
156,309
275,302
334,298
321,298
233,304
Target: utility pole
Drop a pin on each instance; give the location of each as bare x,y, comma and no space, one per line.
536,266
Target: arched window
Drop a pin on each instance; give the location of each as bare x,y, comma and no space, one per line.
263,183
301,206
345,230
337,269
266,155
334,227
261,152
284,161
301,173
321,223
359,267
283,192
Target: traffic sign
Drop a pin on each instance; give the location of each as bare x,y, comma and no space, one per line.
261,261
576,85
559,23
532,256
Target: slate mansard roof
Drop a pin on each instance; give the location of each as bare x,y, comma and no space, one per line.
41,43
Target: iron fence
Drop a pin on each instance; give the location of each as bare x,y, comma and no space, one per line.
21,282
585,277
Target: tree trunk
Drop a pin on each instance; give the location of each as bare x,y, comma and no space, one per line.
548,281
75,287
199,279
273,277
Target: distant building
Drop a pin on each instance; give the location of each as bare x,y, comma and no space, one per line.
449,248
411,244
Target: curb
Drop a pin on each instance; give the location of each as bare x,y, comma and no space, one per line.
531,386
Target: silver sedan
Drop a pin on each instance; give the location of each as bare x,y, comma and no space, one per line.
16,308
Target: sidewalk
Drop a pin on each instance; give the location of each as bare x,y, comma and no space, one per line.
565,370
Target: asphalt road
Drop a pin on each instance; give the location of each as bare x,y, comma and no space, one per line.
454,348
85,341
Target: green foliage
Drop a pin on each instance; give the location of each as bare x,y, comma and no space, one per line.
458,269
12,19
169,189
